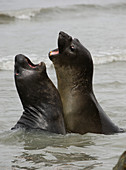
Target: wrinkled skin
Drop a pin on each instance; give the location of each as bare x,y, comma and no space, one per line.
40,99
74,69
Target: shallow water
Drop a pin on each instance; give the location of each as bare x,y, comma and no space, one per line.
72,151
32,29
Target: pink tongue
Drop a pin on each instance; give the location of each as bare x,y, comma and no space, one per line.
54,52
31,65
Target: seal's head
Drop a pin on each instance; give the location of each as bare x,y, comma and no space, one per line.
73,63
70,52
28,78
24,67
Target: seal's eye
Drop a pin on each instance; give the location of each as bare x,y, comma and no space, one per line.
72,47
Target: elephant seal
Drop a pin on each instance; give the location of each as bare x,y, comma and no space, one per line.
40,99
121,164
74,69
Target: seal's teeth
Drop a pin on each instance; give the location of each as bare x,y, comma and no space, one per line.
50,53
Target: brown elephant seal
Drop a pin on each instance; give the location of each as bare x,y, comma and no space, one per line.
121,164
40,99
74,69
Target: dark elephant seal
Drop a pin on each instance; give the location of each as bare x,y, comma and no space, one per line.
40,99
74,68
121,164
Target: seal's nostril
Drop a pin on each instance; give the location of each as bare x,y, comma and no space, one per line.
65,36
61,33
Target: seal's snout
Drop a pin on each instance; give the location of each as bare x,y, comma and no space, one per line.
64,35
19,58
64,41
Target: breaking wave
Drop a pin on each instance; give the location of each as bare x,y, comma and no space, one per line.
109,58
27,14
19,14
7,63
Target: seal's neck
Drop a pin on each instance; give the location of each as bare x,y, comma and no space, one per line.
34,117
74,79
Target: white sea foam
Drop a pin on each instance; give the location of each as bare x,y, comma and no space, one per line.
7,63
20,14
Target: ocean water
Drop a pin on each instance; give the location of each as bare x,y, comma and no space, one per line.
31,27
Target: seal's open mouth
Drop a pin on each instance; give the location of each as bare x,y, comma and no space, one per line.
30,63
54,52
23,62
